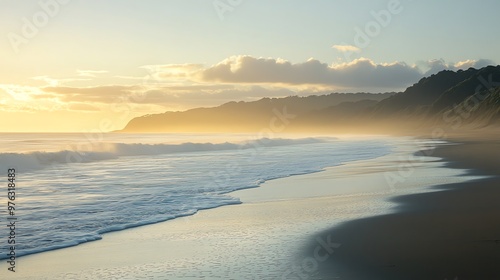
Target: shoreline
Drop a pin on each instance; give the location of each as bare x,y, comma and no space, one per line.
228,193
452,233
164,249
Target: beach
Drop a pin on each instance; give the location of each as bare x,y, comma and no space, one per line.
452,233
265,237
235,140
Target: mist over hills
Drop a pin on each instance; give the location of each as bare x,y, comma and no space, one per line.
463,98
249,116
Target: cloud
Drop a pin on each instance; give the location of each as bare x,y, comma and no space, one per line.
346,48
19,98
437,65
50,81
176,72
83,107
480,63
90,73
20,92
360,73
190,88
166,96
102,94
237,78
214,97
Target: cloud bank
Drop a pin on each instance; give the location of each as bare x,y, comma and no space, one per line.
360,73
237,78
437,65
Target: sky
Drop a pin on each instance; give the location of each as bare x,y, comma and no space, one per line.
92,65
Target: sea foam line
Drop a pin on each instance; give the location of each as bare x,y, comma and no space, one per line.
107,151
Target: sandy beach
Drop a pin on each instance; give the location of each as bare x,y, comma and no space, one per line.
265,237
452,233
235,140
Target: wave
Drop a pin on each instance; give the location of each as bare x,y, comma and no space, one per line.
106,151
125,201
97,235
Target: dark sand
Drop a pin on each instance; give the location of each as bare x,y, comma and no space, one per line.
450,234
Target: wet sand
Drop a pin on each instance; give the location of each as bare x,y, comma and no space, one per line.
453,233
259,239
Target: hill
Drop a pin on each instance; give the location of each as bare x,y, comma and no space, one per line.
462,98
244,116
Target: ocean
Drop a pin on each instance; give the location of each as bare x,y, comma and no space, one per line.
72,188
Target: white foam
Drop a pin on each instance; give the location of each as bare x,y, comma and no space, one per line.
129,185
106,151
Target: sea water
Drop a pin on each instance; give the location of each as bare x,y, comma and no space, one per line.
72,188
